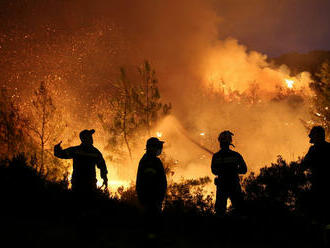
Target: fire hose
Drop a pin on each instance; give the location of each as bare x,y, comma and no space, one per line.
195,142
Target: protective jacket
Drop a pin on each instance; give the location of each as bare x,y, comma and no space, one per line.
151,183
85,158
317,160
227,165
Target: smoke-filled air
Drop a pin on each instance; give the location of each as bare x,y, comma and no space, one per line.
135,69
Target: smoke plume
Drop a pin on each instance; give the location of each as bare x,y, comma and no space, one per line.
212,84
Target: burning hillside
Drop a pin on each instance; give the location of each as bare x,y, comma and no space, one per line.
211,84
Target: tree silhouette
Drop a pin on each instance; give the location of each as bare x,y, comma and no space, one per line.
149,98
45,123
120,123
132,110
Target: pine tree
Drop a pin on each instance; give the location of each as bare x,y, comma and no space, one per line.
149,98
133,110
45,122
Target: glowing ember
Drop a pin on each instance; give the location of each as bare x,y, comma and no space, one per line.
159,134
289,83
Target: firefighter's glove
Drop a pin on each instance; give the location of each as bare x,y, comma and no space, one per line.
58,146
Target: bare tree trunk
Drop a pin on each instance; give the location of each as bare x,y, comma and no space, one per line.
125,133
124,119
128,147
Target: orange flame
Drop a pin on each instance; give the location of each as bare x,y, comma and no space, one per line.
289,83
159,134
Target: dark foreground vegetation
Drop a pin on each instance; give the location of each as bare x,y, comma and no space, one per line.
43,213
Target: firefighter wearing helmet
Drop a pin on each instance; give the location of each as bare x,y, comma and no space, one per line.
151,185
227,165
317,160
85,158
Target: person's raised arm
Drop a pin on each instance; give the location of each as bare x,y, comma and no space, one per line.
60,153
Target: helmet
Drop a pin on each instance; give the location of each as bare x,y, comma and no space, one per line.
225,137
317,132
85,134
154,142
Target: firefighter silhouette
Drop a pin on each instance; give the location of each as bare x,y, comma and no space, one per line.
227,165
85,157
151,185
317,160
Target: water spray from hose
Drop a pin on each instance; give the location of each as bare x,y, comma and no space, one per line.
183,131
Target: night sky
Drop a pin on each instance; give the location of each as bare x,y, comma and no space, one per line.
272,27
275,27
